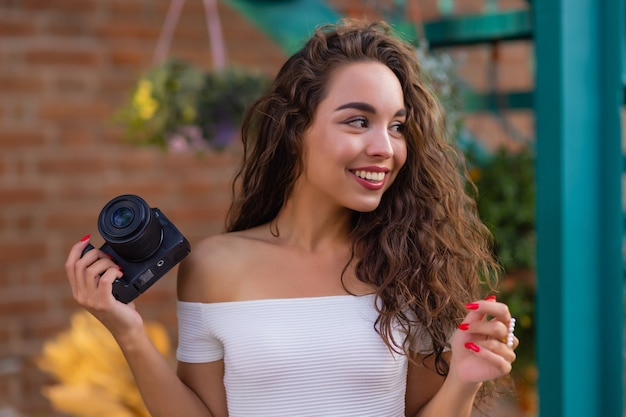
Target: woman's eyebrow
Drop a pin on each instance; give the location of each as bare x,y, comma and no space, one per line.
367,108
401,113
358,106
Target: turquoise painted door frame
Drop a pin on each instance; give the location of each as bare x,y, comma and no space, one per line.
580,272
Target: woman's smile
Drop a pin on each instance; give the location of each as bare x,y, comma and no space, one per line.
373,179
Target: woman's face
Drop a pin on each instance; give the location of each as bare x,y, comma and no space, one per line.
355,145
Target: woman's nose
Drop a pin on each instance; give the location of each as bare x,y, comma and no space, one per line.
380,144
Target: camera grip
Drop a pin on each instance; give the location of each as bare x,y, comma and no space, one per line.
87,249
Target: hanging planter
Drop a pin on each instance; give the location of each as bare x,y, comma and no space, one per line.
178,106
175,105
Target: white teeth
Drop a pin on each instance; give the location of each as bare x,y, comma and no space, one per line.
371,176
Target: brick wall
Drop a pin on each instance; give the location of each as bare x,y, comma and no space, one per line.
65,66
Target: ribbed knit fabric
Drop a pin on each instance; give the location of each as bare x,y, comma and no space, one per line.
297,357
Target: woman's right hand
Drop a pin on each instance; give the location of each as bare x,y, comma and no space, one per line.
91,279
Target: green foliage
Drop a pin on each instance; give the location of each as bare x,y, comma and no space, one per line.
506,204
177,100
224,98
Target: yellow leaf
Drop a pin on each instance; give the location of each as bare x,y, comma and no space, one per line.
85,401
94,378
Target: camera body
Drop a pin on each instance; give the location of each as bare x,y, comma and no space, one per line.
142,241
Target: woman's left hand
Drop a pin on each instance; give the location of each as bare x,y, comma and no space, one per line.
479,347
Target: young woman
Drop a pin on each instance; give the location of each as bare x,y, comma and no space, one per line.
347,282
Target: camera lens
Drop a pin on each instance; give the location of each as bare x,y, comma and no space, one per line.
130,227
122,217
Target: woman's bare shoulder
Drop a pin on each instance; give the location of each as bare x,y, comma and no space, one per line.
213,269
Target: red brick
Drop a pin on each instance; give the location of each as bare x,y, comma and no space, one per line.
20,84
63,57
22,194
128,30
138,160
136,59
20,251
75,192
52,276
125,8
75,137
74,220
77,112
25,222
15,27
58,6
195,188
46,329
10,139
5,280
513,4
191,7
119,85
151,191
490,131
19,307
183,214
468,7
5,335
212,159
72,165
64,27
70,84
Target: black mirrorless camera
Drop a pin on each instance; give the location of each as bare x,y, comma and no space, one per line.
142,241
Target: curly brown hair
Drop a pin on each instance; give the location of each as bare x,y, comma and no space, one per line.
424,247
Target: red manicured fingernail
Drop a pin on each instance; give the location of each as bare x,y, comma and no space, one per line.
86,237
491,298
463,326
471,346
472,306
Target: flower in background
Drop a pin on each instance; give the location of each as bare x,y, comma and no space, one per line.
177,106
142,100
93,377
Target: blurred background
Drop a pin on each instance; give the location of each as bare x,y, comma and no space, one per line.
106,97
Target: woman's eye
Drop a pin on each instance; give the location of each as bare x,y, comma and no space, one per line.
398,128
358,122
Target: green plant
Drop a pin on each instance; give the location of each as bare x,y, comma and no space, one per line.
223,100
176,104
506,204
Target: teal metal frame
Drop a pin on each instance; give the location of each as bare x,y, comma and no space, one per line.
473,29
287,23
580,278
465,30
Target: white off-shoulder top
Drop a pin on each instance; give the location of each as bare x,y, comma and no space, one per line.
293,357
